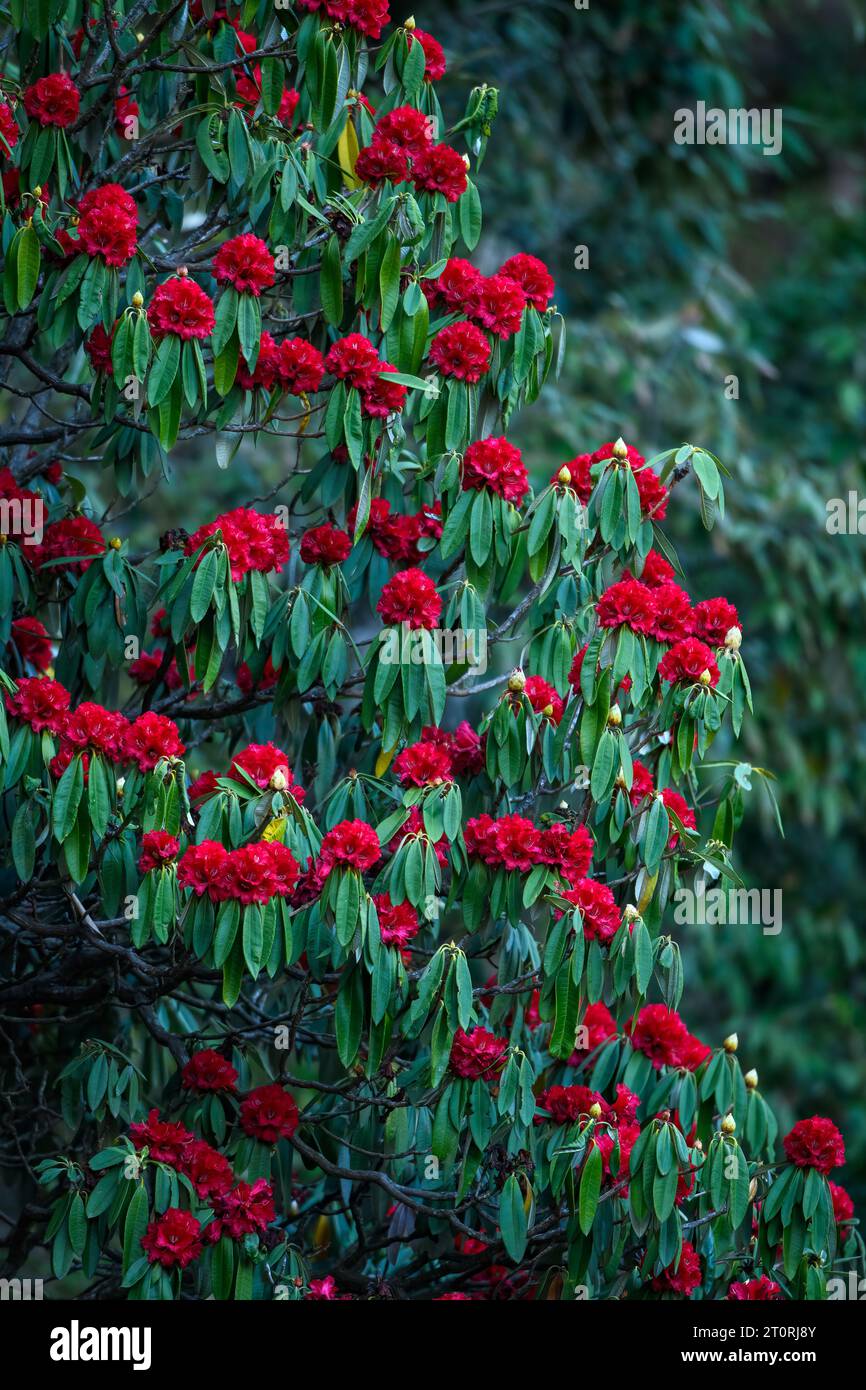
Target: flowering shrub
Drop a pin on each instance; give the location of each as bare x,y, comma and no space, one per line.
262,871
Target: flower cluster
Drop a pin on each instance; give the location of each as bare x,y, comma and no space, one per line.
543,698
352,844
31,641
254,873
461,350
478,1055
815,1143
267,766
497,466
513,842
495,302
397,536
158,848
108,224
76,539
44,704
245,263
293,365
398,922
403,149
182,307
53,100
254,541
410,597
325,546
423,764
355,361
660,1034
369,17
598,909
207,1071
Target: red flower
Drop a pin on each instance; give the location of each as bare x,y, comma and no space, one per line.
93,726
754,1291
208,1170
497,466
682,810
518,843
685,1278
247,1210
414,825
462,351
410,597
246,263
499,305
173,1240
208,1071
31,641
254,541
266,681
288,106
652,493
8,128
465,746
713,619
108,223
53,100
815,1143
687,661
180,306
440,169
383,397
580,477
457,287
300,366
203,786
434,55
354,359
569,851
601,916
325,1291
248,875
656,570
263,763
203,869
381,160
98,349
672,619
843,1206
325,545
369,17
479,837
284,867
406,127
600,1025
532,276
151,737
75,538
543,698
398,922
164,1140
659,1033
477,1055
158,847
628,603
642,784
423,764
125,108
566,1104
39,702
269,1113
351,842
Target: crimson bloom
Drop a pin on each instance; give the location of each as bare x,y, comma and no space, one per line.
325,545
497,466
76,539
815,1143
53,100
685,1278
598,909
761,1290
208,1170
423,764
164,1140
440,169
353,843
207,1071
158,847
410,597
182,307
39,702
173,1239
398,922
461,350
245,263
627,604
532,276
269,1113
151,737
687,662
478,1055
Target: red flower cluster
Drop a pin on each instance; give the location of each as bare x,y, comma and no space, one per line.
173,1239
410,597
402,148
440,169
53,100
75,538
434,56
461,350
843,1206
656,570
533,277
208,1071
687,662
30,639
398,922
543,698
478,1055
642,784
682,810
245,263
660,1034
268,1114
151,737
499,305
601,916
158,848
672,615
815,1143
463,746
600,1025
627,604
369,17
294,365
39,702
713,619
8,128
253,873
108,224
495,302
182,307
325,546
165,1141
397,536
423,764
267,766
497,466
352,843
98,349
685,1278
254,541
761,1290
246,1210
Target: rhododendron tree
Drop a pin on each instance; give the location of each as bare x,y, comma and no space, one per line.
343,822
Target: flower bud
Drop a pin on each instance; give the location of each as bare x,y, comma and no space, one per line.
137,299
614,716
547,711
620,449
37,192
409,23
120,786
279,781
564,475
115,543
516,682
751,1079
467,161
729,1124
731,1043
733,639
595,1111
705,677
182,272
753,1189
630,913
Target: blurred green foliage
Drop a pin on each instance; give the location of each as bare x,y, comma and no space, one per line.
706,263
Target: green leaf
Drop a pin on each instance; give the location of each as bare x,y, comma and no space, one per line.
512,1219
590,1187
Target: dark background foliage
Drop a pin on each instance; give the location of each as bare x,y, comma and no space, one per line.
706,262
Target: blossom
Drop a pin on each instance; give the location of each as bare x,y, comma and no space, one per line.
642,784
269,1113
76,539
713,618
39,702
598,909
398,922
202,869
263,763
165,1140
325,545
383,397
659,1033
677,803
815,1143
53,100
599,1023
566,1104
568,850
440,169
247,875
543,698
182,307
208,1170
754,1290
173,1239
245,263
8,128
410,597
423,764
30,639
497,466
518,843
580,477
414,826
108,224
208,1070
627,604
382,159
354,359
369,17
434,55
457,286
656,570
477,1055
687,661
151,737
685,1278
843,1206
98,349
92,726
407,128
254,540
461,350
299,366
533,277
158,847
498,305
672,615
246,1210
353,843
466,749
